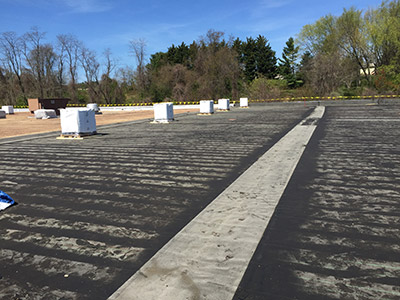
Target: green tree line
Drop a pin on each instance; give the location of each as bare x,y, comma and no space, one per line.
355,53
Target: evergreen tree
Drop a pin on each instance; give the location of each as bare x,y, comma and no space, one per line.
171,54
287,64
304,67
157,60
249,59
256,58
265,57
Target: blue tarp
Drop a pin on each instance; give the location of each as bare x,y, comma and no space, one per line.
5,200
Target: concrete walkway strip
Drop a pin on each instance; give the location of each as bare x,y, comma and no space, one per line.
207,259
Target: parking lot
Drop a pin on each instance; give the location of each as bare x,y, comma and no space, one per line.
91,212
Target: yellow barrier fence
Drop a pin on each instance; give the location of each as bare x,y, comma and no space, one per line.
285,99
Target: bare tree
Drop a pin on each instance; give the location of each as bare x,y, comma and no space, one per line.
326,73
33,56
109,61
212,39
70,47
126,76
91,67
126,79
109,87
44,62
11,50
217,67
4,87
138,50
60,68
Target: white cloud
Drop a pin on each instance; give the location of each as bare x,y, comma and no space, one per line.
268,7
87,6
268,4
74,6
265,26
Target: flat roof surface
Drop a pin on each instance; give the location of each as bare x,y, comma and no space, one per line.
91,212
335,233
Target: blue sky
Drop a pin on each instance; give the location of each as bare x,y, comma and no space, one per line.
102,24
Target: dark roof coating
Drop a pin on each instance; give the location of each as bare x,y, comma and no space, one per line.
336,232
91,212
